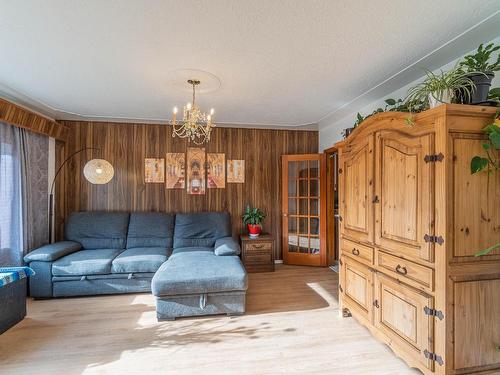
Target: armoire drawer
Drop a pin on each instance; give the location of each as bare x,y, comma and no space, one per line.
405,270
361,253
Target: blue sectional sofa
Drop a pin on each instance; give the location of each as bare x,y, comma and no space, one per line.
191,259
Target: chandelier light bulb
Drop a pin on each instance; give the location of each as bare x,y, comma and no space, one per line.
212,111
188,106
175,110
209,117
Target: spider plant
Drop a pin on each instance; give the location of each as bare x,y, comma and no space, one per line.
440,88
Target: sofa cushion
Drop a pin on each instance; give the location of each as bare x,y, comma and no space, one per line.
98,230
199,272
227,246
141,259
201,229
85,262
191,249
150,229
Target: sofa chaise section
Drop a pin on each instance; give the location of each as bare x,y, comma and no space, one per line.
204,276
199,283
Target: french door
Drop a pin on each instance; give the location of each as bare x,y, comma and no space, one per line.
304,209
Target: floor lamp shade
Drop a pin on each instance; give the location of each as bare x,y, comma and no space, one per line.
98,171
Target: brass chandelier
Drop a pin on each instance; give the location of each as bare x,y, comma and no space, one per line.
195,125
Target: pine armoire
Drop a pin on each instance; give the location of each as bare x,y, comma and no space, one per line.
412,217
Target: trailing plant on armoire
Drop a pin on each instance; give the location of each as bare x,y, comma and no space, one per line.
489,162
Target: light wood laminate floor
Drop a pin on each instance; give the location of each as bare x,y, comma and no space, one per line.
292,326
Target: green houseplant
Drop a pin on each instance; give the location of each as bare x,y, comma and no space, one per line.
489,162
391,105
253,218
480,68
442,87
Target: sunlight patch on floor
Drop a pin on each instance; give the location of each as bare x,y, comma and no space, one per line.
325,294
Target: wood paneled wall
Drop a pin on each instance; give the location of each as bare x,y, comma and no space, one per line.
126,145
23,118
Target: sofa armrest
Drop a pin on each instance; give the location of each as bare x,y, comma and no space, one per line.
226,246
49,253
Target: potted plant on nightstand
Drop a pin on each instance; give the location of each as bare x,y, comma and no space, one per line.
479,69
253,218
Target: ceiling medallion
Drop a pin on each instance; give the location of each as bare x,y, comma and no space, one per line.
196,126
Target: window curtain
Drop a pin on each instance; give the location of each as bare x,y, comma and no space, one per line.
23,193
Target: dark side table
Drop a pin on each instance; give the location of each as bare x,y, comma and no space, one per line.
257,254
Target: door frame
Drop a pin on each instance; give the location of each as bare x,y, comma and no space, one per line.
321,157
332,185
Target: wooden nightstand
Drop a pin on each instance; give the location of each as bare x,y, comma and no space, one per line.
258,254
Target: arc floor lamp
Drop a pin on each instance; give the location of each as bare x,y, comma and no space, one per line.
96,171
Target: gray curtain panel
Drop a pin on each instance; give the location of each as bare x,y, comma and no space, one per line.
34,175
23,193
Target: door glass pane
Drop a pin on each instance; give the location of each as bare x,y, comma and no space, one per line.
292,169
303,209
314,210
303,169
303,244
314,185
303,192
314,168
292,206
292,225
314,245
293,249
293,240
303,225
292,188
314,225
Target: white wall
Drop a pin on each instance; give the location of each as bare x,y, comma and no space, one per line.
331,132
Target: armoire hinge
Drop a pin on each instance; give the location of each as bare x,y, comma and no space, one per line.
340,288
434,239
375,303
433,357
437,313
340,262
433,158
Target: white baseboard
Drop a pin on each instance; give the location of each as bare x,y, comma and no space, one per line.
278,261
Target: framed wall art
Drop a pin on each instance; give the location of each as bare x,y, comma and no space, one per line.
236,171
154,170
195,167
176,168
216,171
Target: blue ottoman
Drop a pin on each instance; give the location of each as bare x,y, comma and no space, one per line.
199,283
13,290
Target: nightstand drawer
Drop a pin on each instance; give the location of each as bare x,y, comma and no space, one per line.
258,257
258,246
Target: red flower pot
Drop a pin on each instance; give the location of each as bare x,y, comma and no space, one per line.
254,230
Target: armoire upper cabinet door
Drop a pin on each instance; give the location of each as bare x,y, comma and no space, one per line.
404,189
356,191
